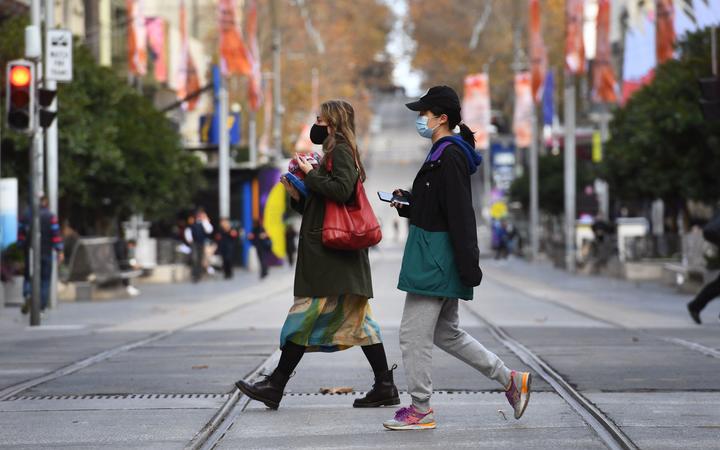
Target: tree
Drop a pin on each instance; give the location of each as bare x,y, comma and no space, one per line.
442,30
661,146
551,189
118,154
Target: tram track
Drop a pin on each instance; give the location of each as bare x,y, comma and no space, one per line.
603,426
256,295
687,344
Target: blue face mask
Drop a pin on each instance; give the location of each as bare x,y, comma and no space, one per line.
421,124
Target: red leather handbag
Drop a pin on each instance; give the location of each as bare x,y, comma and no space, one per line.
351,226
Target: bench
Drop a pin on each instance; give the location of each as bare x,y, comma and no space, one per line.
94,263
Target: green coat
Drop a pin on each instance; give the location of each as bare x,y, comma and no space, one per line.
321,271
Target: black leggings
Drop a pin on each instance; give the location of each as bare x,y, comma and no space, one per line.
293,353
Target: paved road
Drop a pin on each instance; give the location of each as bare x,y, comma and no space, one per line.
152,372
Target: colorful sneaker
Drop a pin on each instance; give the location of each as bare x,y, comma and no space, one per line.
519,392
411,419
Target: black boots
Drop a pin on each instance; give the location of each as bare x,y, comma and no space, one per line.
269,391
383,393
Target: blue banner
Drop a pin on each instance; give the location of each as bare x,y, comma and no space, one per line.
548,99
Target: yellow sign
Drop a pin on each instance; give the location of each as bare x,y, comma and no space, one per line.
597,153
498,210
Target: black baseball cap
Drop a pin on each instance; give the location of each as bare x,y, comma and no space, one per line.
443,97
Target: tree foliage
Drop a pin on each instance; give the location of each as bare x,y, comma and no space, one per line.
354,35
661,146
118,155
442,30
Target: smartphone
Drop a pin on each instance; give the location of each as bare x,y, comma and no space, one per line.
388,197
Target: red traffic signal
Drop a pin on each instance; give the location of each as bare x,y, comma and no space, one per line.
20,76
20,98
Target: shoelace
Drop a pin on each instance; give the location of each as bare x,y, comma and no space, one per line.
403,413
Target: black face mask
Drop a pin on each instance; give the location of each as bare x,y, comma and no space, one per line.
318,134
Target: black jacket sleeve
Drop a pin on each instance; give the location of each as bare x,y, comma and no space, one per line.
461,216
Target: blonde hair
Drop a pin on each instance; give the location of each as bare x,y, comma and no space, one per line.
340,116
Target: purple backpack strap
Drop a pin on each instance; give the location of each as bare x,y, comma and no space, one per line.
434,156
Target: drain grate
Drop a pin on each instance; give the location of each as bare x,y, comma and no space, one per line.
205,396
363,393
118,397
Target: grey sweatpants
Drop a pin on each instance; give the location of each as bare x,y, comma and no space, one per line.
434,320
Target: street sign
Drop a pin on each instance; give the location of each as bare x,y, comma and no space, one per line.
58,63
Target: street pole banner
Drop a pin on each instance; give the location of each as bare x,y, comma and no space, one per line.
59,59
538,53
187,76
137,38
549,99
233,53
664,30
156,41
255,81
522,119
605,88
476,108
574,44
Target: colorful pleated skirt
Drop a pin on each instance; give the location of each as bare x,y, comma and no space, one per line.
330,324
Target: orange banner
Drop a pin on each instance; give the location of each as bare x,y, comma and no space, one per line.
522,119
476,108
156,41
604,85
664,30
574,43
538,53
233,53
187,76
137,38
255,81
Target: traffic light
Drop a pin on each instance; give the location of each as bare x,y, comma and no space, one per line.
45,99
20,95
710,97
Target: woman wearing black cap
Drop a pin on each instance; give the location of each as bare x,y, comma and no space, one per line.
441,262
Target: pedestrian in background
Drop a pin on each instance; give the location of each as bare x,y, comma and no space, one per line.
50,242
331,311
441,263
263,246
125,255
226,239
501,238
711,232
197,233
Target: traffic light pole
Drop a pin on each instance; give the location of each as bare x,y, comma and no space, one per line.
569,164
51,139
36,160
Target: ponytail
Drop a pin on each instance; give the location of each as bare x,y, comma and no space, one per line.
467,135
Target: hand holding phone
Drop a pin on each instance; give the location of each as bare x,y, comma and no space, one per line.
392,198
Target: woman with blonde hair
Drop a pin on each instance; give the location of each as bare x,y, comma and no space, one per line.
331,311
